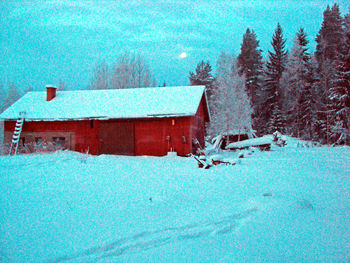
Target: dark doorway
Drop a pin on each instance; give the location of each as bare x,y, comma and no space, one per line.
117,137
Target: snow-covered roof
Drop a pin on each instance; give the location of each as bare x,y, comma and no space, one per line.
109,104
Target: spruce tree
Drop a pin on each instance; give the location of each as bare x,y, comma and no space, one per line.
277,121
297,82
330,37
340,93
306,105
203,76
272,91
330,42
250,64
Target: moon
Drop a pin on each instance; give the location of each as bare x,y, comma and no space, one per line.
183,55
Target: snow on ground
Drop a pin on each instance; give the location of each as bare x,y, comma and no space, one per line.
290,204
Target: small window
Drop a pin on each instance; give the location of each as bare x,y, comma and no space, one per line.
59,141
92,124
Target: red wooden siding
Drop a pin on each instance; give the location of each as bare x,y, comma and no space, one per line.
149,136
159,136
116,137
198,124
84,133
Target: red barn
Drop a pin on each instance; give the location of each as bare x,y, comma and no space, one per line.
145,121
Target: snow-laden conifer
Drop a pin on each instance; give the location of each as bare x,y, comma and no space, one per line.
203,76
329,49
250,64
272,90
339,95
297,83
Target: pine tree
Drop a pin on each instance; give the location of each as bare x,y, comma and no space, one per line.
297,82
203,76
340,93
250,64
306,105
330,41
277,121
330,36
272,91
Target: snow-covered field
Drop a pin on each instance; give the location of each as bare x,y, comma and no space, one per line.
288,205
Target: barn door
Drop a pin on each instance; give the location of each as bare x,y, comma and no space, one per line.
175,130
117,137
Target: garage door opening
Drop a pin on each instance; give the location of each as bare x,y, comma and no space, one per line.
117,137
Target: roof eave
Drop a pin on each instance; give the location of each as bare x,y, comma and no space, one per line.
207,104
105,117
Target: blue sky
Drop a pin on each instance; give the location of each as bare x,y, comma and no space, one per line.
43,42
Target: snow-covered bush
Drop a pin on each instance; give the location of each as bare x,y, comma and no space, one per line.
4,148
32,147
84,156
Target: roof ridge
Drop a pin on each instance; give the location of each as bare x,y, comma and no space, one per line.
109,103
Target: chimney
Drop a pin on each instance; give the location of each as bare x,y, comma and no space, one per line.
50,92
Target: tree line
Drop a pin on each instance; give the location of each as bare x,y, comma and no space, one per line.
130,70
297,92
10,93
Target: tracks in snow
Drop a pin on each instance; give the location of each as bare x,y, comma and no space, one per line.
152,239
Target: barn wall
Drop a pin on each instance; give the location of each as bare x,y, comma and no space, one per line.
116,137
159,136
154,136
80,135
198,125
